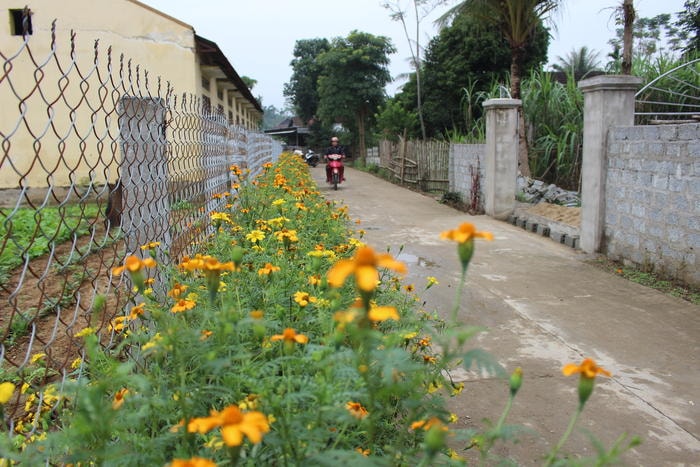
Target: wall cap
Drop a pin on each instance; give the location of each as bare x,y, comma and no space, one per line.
610,83
503,103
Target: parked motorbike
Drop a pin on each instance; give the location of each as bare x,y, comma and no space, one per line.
311,158
335,162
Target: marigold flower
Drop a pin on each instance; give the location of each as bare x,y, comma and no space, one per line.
464,235
205,334
428,424
588,370
134,264
383,313
36,357
268,269
136,311
364,267
119,398
257,314
234,425
85,332
183,305
193,462
75,364
356,410
255,236
177,290
290,335
150,246
431,281
7,389
303,298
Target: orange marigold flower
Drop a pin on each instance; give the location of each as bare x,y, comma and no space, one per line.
428,424
364,267
587,368
119,398
183,305
134,264
268,269
205,334
290,335
257,314
193,462
136,311
234,425
464,233
356,410
303,298
177,290
383,313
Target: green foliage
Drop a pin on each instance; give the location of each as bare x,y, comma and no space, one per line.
688,28
302,89
578,63
30,233
393,120
464,56
273,116
554,112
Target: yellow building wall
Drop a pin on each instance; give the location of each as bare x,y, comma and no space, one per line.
59,107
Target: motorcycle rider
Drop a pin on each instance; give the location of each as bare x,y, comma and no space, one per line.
335,148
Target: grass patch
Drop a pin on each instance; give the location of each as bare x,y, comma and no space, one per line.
650,279
31,233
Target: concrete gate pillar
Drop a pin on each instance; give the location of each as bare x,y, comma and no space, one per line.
501,162
607,101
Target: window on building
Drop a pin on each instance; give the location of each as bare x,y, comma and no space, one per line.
17,21
205,83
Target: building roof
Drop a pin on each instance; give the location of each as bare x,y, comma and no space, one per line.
210,54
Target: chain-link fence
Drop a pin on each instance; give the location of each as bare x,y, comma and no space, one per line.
96,159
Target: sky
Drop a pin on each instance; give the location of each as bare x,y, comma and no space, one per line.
258,36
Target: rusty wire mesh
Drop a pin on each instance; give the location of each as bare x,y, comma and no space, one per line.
96,159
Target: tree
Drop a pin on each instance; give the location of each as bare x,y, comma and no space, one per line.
302,89
579,62
517,20
628,15
351,84
421,8
393,120
464,56
249,82
688,24
272,116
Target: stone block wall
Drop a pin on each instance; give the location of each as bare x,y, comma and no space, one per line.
652,190
462,157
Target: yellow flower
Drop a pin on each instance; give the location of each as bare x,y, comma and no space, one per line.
192,462
152,343
364,452
177,290
85,332
587,368
431,281
234,425
278,202
119,398
364,267
409,288
150,246
303,298
255,236
286,236
6,391
383,313
75,364
290,335
183,305
36,357
205,334
356,410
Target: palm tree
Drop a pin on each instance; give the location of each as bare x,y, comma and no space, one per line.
517,21
579,62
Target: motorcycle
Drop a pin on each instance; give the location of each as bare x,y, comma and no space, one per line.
335,162
311,158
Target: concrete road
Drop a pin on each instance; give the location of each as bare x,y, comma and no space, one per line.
544,306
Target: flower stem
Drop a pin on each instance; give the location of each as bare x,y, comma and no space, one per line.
552,455
458,297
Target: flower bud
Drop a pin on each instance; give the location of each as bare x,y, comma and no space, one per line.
585,389
516,380
465,251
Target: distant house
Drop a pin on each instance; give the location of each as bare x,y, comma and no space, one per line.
156,43
292,131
